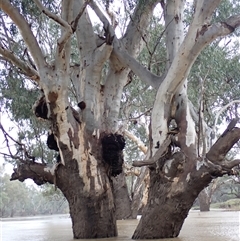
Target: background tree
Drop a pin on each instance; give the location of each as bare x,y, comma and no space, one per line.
180,157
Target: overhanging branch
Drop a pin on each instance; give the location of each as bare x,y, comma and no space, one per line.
222,146
28,70
25,30
38,172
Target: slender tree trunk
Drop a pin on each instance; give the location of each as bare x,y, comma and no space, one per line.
121,197
204,201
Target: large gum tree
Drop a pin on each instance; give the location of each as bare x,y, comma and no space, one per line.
89,140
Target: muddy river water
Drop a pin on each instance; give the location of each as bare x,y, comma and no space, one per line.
207,226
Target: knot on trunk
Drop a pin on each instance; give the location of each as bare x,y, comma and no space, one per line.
112,146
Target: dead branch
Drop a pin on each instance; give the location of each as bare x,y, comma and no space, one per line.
222,146
22,148
75,22
159,153
139,143
51,15
38,172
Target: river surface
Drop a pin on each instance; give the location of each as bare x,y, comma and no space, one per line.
206,226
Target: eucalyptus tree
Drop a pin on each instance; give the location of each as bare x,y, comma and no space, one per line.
89,140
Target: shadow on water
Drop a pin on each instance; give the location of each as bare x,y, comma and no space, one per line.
207,226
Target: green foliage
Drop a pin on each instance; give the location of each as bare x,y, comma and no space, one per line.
18,199
217,68
233,204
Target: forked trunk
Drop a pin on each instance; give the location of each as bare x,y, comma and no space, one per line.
168,205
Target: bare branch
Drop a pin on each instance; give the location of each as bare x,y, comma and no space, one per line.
107,26
22,147
159,153
51,15
67,27
25,30
75,22
222,146
39,173
139,143
28,70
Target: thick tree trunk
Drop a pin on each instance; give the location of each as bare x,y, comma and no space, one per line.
168,205
92,217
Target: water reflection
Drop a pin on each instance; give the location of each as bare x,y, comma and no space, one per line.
208,226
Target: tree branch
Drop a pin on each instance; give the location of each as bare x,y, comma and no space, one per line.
136,29
28,70
51,15
139,143
106,25
128,61
159,153
222,146
26,32
67,27
21,150
39,173
75,22
231,164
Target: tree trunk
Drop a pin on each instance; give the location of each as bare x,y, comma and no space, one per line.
169,202
121,197
204,201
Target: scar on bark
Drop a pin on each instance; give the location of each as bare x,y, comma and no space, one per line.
112,146
40,108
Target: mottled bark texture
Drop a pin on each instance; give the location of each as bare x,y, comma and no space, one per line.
186,165
88,140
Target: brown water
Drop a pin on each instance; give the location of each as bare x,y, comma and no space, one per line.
208,226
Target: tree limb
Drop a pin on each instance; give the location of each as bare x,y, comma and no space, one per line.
128,61
28,70
159,153
231,164
67,27
106,25
25,30
75,22
222,146
136,29
139,143
51,15
39,173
